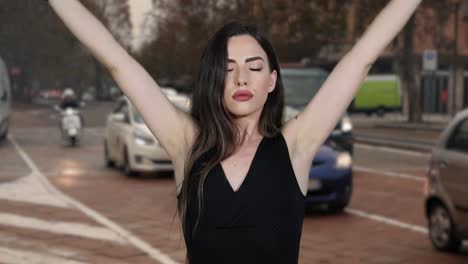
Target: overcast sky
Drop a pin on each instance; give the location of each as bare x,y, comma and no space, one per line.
137,10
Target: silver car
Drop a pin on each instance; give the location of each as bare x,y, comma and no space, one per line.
5,100
446,188
128,142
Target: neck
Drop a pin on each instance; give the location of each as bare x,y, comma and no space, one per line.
248,128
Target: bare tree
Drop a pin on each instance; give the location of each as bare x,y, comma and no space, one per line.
46,54
408,73
297,29
115,15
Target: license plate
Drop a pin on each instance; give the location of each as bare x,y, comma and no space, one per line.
72,132
314,184
71,122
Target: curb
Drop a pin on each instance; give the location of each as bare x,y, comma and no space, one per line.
126,235
414,145
424,127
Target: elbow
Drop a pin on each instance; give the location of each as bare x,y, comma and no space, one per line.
116,61
113,69
362,58
114,66
368,66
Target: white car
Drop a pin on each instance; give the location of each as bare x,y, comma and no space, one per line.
5,100
129,143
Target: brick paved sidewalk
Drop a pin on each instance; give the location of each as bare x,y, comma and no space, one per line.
38,227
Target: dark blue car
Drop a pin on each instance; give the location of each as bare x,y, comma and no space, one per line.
330,178
331,174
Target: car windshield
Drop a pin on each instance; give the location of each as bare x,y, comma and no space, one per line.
301,85
137,117
181,103
300,88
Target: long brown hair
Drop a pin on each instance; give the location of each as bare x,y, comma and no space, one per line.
218,135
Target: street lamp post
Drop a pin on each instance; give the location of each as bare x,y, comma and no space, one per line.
456,11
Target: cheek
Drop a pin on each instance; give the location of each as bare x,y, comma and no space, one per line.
262,84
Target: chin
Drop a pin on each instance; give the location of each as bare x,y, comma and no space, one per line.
237,112
243,109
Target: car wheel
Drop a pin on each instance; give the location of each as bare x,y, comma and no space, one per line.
339,206
380,112
127,169
442,229
73,141
4,134
109,163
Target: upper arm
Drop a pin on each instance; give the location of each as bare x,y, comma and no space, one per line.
314,124
173,127
170,125
310,128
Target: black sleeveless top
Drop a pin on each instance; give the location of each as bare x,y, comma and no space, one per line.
261,222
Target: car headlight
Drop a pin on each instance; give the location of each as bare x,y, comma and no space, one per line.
142,138
346,125
343,161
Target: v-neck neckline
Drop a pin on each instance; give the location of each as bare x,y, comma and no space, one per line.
248,171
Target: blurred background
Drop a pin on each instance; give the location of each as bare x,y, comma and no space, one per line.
165,36
83,179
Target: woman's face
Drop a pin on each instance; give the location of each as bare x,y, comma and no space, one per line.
248,77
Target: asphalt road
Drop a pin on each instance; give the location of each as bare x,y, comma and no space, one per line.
62,205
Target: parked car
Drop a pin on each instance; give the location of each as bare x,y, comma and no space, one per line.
88,97
300,86
52,94
5,100
380,93
169,91
330,175
128,142
446,189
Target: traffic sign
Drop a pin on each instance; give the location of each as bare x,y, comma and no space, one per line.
15,71
429,60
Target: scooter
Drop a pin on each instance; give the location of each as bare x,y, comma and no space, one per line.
70,125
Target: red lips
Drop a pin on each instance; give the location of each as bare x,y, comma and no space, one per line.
242,95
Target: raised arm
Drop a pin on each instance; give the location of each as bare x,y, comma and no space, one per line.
172,127
311,127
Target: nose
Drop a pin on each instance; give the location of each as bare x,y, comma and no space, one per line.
241,83
241,78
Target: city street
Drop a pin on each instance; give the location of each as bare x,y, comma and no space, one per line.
60,204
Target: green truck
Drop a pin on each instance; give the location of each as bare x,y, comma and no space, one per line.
378,94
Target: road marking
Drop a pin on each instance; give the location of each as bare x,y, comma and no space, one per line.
15,256
383,219
386,220
24,243
394,150
134,240
66,228
96,131
29,189
390,174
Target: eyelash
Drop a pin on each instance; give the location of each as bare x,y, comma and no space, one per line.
256,69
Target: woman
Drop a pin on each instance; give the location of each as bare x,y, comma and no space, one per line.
241,174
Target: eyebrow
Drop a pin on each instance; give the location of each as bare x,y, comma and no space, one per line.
248,59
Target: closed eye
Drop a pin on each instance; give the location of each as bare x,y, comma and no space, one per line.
256,69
